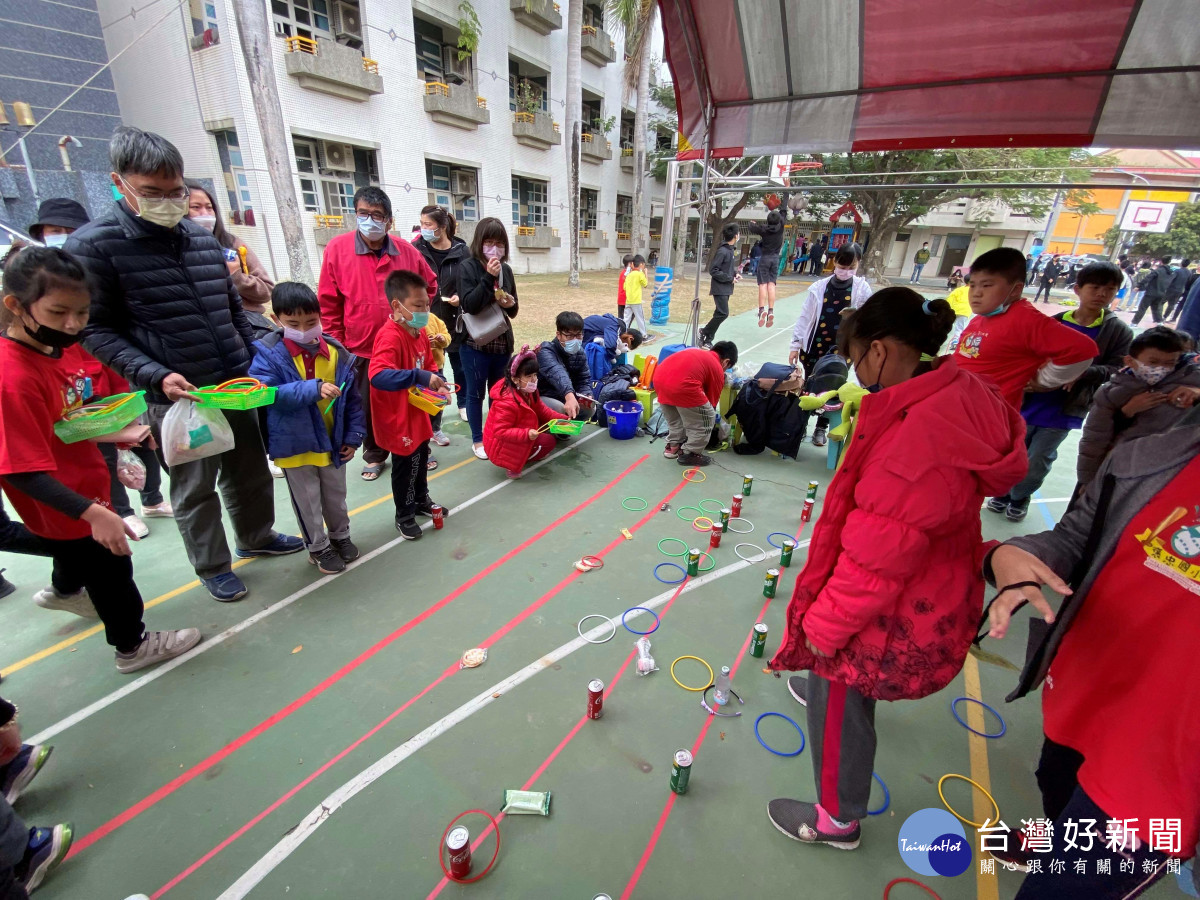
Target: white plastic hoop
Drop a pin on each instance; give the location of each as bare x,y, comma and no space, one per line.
736,547
579,628
740,519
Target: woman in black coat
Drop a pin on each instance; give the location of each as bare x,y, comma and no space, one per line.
445,253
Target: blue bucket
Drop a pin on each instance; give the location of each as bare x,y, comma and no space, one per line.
623,417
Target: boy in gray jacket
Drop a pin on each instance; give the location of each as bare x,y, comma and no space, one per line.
722,272
1148,396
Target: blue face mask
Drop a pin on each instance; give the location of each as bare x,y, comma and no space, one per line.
1002,308
573,346
418,321
877,386
370,229
55,240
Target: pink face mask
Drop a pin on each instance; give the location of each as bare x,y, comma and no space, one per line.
842,274
529,387
493,251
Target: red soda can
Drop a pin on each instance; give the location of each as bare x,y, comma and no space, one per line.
595,707
458,843
806,513
439,517
736,506
715,540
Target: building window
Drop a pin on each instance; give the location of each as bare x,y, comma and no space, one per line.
624,214
454,187
339,197
301,18
237,184
530,202
593,17
203,14
593,112
590,202
306,165
527,87
626,132
330,173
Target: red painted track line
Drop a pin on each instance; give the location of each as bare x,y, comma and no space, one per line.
451,670
532,780
275,718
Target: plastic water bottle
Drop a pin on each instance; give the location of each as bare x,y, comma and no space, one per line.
721,688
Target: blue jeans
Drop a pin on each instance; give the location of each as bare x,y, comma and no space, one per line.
1042,444
916,273
481,371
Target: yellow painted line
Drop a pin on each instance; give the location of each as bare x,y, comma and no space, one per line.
184,588
987,886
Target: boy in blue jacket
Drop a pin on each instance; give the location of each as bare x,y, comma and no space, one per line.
315,424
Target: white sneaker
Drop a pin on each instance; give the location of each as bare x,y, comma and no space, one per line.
462,413
441,439
80,604
157,647
479,452
139,528
158,511
276,472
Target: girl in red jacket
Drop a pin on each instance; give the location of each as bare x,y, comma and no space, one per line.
888,601
510,436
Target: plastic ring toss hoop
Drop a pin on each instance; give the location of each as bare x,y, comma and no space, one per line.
680,512
694,690
446,833
994,734
97,419
579,628
683,573
887,797
236,393
766,746
720,505
977,786
682,552
625,504
782,534
887,891
737,552
689,475
740,530
707,527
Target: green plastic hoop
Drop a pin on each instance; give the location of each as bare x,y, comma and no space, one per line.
712,559
683,509
720,505
645,504
675,541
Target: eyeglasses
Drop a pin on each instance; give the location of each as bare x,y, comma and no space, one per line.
572,335
180,193
377,217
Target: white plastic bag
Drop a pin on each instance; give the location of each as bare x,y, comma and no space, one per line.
131,471
191,432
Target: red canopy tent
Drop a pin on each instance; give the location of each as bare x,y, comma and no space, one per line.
778,76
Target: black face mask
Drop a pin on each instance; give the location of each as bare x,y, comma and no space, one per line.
51,337
877,386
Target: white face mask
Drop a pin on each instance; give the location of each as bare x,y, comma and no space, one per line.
206,222
303,337
1151,374
55,240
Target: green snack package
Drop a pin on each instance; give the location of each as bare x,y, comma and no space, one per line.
526,803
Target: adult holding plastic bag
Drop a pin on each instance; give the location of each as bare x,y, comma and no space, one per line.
166,316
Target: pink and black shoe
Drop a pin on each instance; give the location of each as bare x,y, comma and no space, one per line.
810,824
762,317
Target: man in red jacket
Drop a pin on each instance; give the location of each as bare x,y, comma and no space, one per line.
688,385
353,304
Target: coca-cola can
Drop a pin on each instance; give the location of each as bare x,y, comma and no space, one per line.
458,844
439,517
806,512
715,540
595,707
736,506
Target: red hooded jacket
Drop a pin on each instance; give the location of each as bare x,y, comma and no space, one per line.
893,588
509,420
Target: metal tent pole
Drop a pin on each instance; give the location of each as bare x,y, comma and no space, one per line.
692,335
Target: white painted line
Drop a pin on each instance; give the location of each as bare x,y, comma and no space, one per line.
770,337
292,840
209,643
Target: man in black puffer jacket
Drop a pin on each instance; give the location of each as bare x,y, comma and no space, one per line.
165,316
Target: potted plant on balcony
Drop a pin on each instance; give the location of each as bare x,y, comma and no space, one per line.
529,100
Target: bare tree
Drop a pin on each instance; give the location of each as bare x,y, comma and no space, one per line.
637,17
573,142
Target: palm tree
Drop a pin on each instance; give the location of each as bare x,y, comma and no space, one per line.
637,18
574,113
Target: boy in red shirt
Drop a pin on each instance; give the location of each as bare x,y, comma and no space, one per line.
1009,342
688,384
400,359
626,260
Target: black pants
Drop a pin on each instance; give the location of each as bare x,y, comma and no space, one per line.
16,538
1172,306
1064,800
109,581
151,493
410,482
1044,286
1154,304
373,454
720,314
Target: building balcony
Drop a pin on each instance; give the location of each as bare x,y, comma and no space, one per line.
536,130
624,240
597,47
455,104
655,241
593,239
627,160
326,228
543,21
537,237
594,148
332,68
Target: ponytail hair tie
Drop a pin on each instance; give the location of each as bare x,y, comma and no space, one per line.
925,308
523,354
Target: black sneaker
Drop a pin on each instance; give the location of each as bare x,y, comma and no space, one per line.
409,529
1016,511
694,459
6,586
425,507
345,549
998,505
328,561
798,820
820,435
798,688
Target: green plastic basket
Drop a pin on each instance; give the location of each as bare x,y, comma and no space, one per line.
214,397
98,419
565,426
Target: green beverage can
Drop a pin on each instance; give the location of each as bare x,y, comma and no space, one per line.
693,562
785,553
812,490
747,484
725,514
758,644
681,771
770,583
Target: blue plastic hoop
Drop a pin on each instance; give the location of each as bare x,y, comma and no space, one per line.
657,620
953,708
673,566
772,749
784,534
887,798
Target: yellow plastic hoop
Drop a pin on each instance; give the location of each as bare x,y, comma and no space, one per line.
689,473
977,786
695,690
702,519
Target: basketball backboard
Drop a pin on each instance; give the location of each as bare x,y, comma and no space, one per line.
1147,216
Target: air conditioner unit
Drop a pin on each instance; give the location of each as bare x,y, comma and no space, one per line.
339,157
349,29
452,65
462,182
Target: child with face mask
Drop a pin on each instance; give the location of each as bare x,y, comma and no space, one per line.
1009,342
315,424
511,436
889,598
1154,390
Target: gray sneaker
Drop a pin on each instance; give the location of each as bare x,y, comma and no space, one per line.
157,647
798,688
80,604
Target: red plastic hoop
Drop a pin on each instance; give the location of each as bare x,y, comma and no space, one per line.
895,881
495,853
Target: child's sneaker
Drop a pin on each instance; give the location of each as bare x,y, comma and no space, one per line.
810,824
15,776
6,586
136,527
328,561
820,435
158,511
47,848
409,529
425,507
671,451
798,687
157,647
78,603
998,505
345,549
1016,511
441,438
694,459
